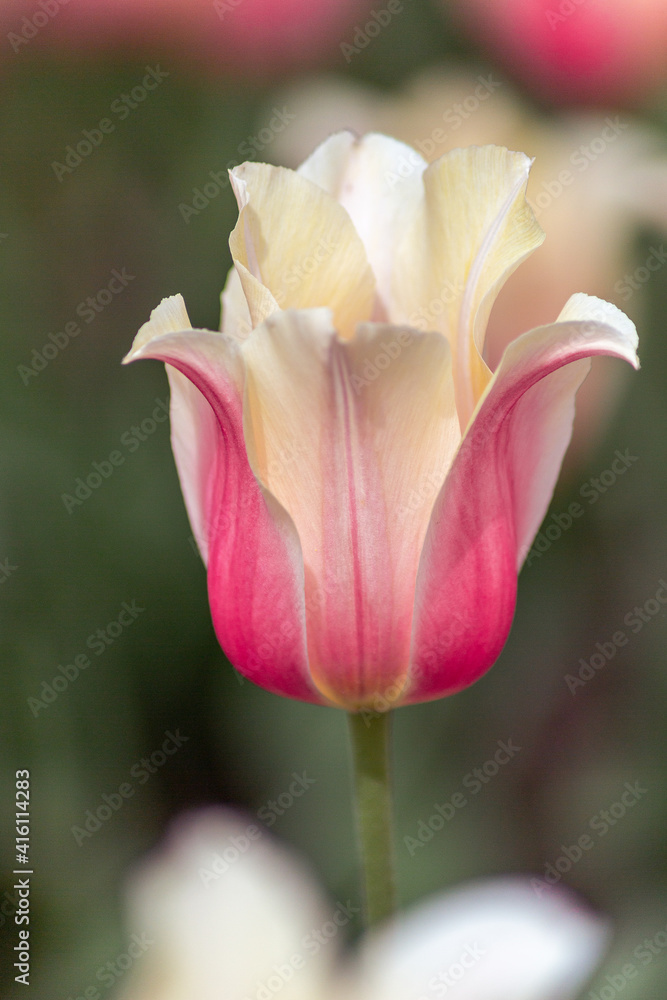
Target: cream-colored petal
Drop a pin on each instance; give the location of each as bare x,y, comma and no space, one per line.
354,439
193,437
235,318
379,182
327,164
473,229
582,307
299,243
171,316
261,302
225,908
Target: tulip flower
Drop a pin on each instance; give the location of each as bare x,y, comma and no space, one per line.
363,487
223,910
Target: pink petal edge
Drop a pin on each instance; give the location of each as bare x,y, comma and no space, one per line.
496,496
255,567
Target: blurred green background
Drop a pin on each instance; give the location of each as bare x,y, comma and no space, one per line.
67,572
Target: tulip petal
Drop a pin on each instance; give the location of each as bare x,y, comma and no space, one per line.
223,906
474,228
354,439
497,494
255,568
194,442
193,424
379,182
261,302
496,940
327,164
235,319
300,244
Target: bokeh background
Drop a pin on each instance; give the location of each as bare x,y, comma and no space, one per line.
69,567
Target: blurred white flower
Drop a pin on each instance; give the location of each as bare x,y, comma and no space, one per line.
231,915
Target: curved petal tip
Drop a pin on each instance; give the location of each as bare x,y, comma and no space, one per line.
584,309
170,316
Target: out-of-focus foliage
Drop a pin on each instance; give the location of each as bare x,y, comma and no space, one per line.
150,201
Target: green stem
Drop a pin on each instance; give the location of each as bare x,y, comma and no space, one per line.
370,751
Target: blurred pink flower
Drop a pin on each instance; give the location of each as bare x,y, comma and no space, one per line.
223,911
575,51
363,486
248,37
